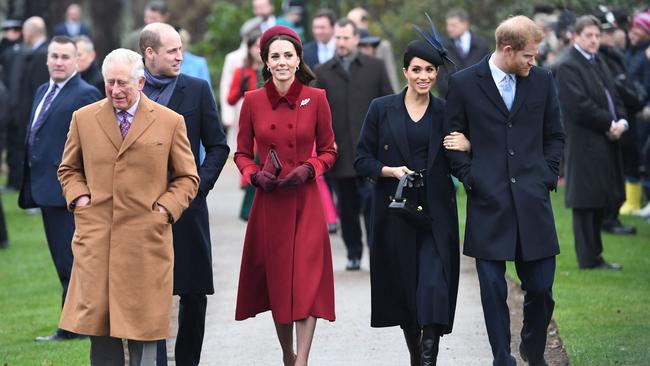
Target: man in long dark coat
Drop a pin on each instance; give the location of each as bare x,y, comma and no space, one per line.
352,80
191,97
509,109
594,121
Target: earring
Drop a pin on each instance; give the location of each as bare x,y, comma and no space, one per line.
268,69
297,67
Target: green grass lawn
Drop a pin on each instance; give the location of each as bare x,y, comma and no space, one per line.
30,296
603,316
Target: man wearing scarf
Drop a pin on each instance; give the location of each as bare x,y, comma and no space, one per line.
191,97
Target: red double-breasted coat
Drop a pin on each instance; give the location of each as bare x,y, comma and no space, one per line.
287,262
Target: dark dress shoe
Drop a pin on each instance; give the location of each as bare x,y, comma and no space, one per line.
332,228
353,265
619,229
524,356
60,335
610,266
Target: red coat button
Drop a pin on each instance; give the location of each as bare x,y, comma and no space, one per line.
290,126
273,126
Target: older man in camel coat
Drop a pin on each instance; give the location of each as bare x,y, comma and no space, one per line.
127,173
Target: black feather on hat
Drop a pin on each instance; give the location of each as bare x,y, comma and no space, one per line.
431,49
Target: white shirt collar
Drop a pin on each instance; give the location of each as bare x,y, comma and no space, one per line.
132,109
465,41
586,54
61,84
497,73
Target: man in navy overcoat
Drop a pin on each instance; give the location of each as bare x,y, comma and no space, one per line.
510,112
47,131
192,98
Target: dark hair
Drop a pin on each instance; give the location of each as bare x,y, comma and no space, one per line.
586,21
149,38
458,13
157,6
344,22
253,36
64,40
326,13
304,73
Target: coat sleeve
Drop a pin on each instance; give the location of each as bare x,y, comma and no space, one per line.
245,154
213,139
553,129
234,93
184,180
71,171
456,120
577,99
325,150
366,162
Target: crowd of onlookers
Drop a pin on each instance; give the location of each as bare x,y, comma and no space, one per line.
600,63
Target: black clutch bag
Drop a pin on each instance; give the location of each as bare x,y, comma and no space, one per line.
410,211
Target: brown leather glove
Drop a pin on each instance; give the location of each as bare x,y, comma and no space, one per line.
264,180
297,176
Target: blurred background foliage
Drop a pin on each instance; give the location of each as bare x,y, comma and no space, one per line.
214,25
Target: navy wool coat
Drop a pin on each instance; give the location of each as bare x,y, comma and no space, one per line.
192,98
393,250
513,163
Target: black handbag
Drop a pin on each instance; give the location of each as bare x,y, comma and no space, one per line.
410,211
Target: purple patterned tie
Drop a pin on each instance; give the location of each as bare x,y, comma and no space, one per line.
124,123
41,115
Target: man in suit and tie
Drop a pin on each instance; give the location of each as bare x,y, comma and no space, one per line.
322,48
510,111
127,174
464,47
191,97
595,120
53,106
72,26
352,80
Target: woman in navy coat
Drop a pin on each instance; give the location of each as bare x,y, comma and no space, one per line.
287,262
413,271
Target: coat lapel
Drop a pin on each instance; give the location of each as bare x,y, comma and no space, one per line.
179,94
108,123
487,85
397,124
435,138
520,94
70,85
141,121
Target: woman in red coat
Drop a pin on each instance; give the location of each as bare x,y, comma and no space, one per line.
287,262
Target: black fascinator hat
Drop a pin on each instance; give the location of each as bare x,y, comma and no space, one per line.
430,48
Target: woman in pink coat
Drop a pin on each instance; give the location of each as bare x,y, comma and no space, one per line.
287,262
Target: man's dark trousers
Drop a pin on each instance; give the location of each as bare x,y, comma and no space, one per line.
537,280
353,198
59,229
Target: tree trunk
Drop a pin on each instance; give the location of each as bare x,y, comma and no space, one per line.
106,26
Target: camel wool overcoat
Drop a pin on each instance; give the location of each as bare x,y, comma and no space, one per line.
122,275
